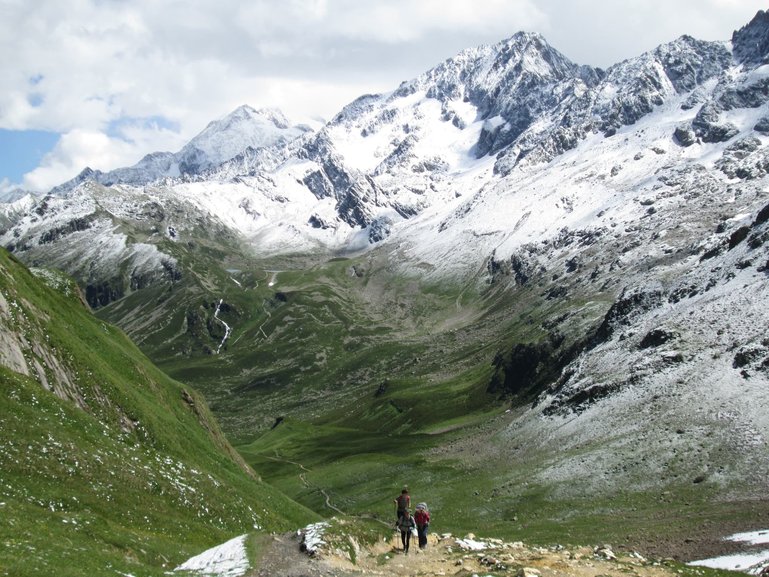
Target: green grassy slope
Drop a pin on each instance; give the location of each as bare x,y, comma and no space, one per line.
299,338
108,465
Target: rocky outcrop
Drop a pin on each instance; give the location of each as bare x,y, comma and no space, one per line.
621,96
750,43
527,368
355,194
632,303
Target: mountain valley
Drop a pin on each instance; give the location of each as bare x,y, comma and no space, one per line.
532,291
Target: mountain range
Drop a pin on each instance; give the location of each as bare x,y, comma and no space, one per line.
540,283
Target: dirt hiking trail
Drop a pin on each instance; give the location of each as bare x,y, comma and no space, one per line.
446,555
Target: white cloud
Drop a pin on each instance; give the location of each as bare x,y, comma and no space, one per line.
74,151
6,186
79,149
388,21
99,60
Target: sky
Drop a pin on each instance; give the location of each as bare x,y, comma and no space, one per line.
101,83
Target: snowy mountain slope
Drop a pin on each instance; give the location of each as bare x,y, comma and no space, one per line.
386,158
118,240
10,196
243,128
603,183
667,397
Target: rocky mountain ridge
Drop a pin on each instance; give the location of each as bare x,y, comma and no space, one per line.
384,159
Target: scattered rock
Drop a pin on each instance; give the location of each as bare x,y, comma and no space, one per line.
657,337
684,136
605,552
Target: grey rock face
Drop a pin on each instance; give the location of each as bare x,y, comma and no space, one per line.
621,96
632,302
354,193
751,42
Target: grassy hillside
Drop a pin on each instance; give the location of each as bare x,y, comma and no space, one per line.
109,466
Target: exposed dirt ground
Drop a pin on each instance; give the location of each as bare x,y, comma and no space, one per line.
446,556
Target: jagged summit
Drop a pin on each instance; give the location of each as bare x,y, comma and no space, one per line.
268,114
520,58
750,43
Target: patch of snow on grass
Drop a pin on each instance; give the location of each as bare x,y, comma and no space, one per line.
751,563
472,544
313,536
226,560
753,537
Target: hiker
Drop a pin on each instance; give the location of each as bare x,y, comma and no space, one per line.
422,520
406,525
402,502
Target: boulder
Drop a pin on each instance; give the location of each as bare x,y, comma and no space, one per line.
657,337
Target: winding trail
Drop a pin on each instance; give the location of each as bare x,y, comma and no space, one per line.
261,326
306,483
326,496
449,555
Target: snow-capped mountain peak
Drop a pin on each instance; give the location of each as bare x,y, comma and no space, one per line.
245,128
242,128
227,137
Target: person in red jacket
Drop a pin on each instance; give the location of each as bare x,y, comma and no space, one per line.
422,519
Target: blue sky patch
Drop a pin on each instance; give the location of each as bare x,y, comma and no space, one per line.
35,99
22,150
